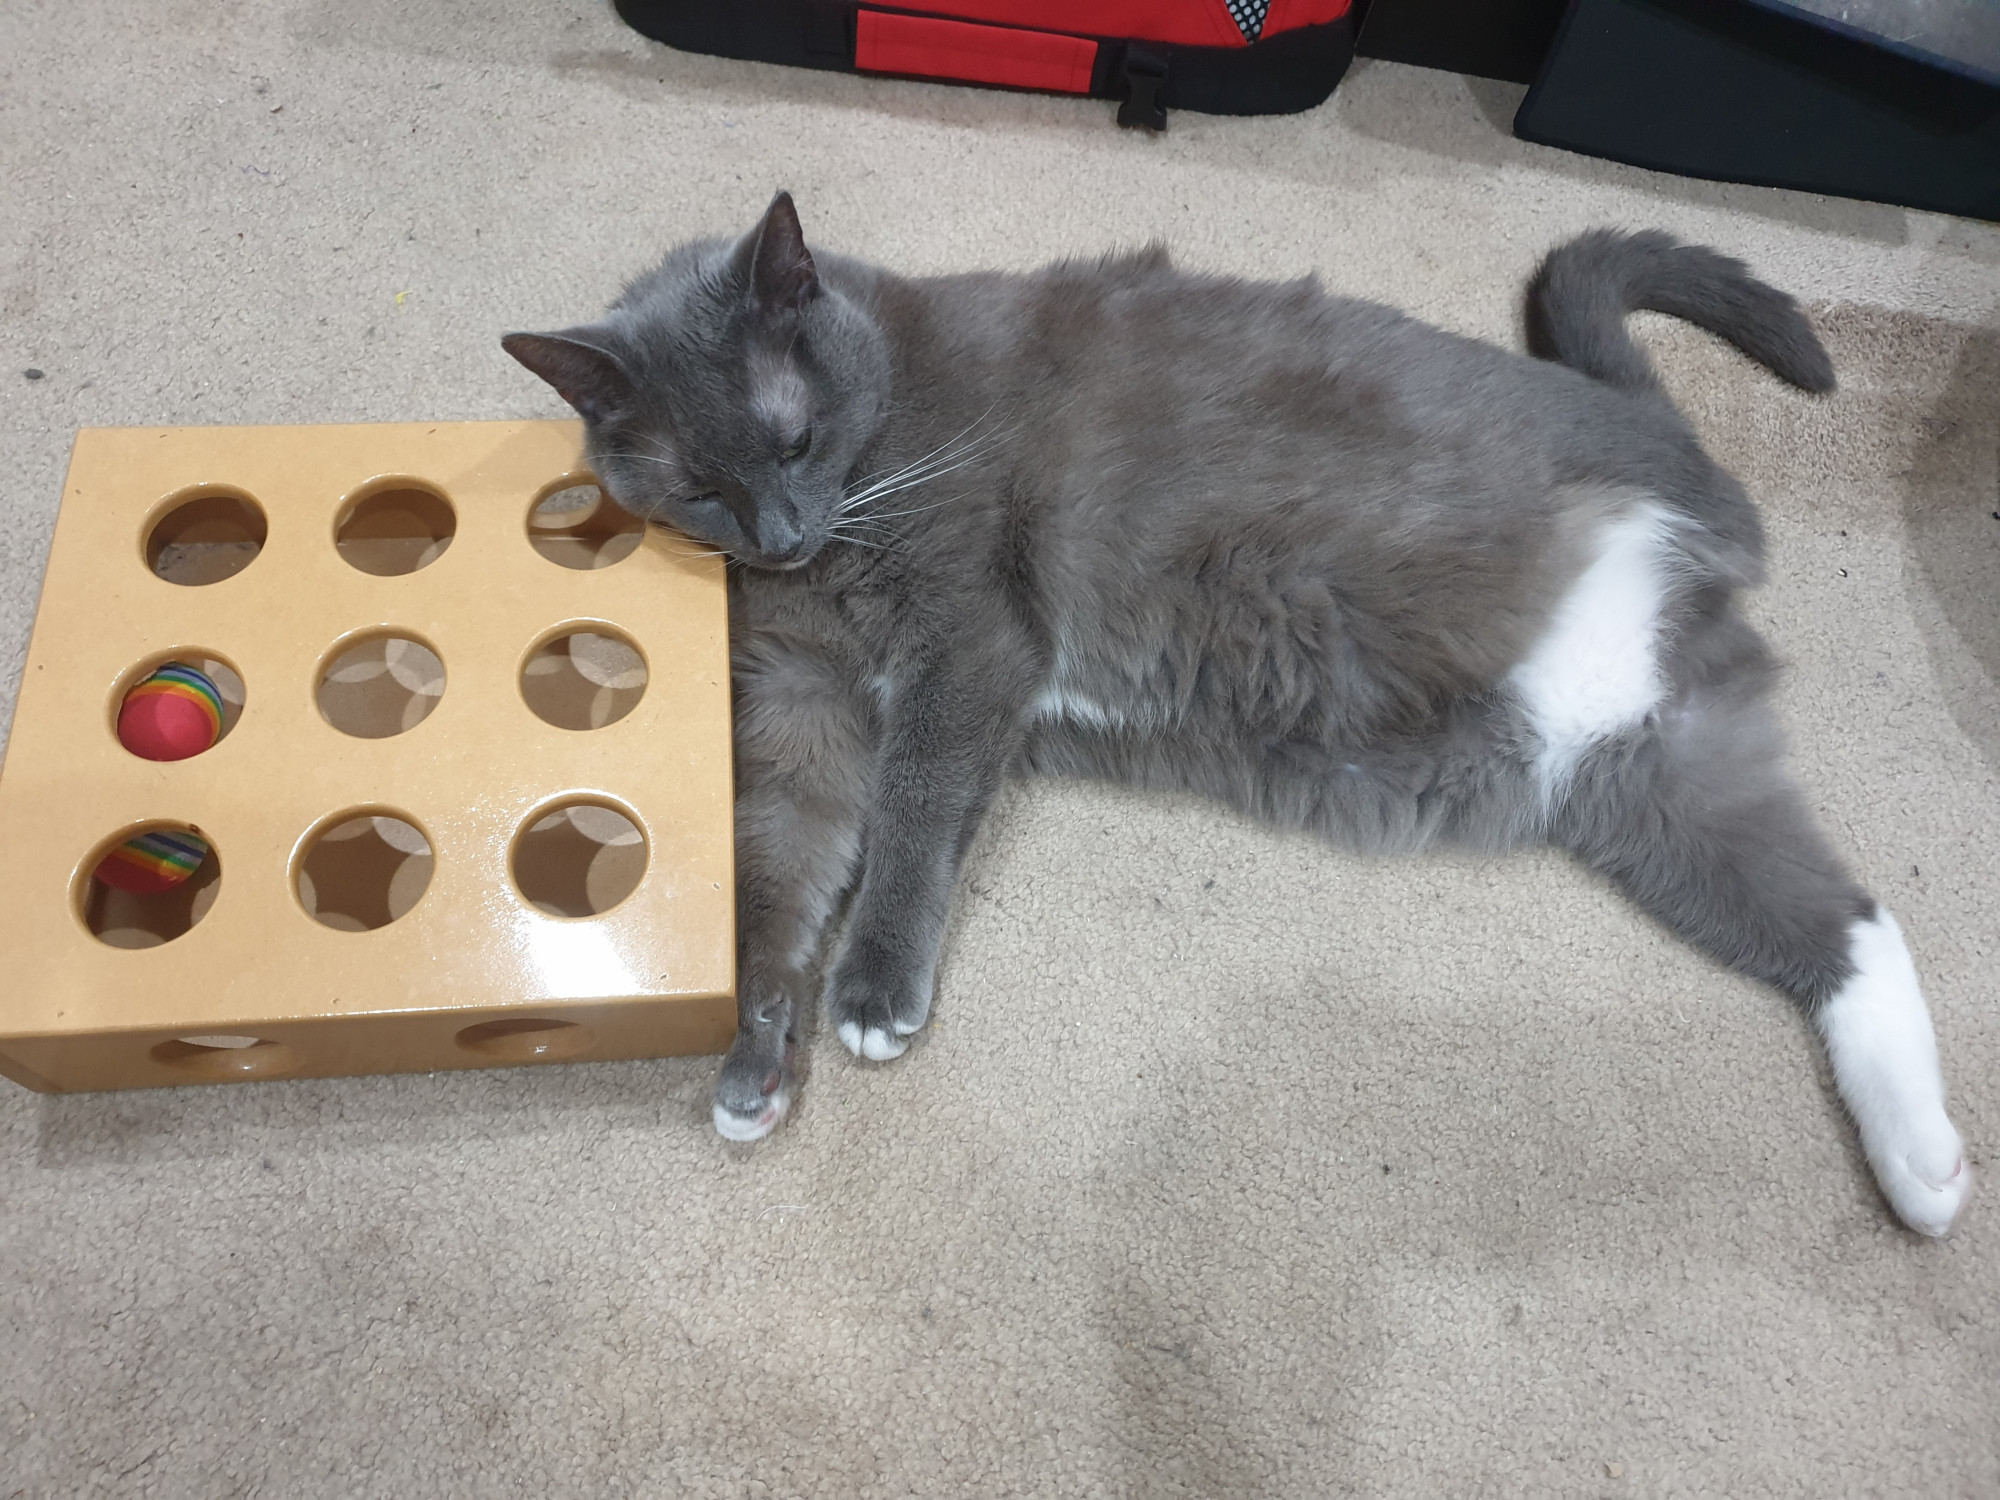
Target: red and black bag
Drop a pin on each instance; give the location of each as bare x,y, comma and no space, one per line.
1223,57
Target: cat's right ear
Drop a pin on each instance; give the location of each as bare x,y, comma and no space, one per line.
782,276
587,377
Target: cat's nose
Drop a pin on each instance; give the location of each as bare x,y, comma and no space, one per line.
779,536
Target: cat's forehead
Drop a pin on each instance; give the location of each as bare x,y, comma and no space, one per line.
722,378
734,384
777,391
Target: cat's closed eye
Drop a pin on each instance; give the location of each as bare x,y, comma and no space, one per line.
706,497
797,447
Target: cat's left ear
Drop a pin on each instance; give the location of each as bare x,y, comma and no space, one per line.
783,278
587,377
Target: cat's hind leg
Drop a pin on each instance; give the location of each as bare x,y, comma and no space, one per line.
1694,815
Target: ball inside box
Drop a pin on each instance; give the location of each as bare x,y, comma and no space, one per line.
153,862
174,714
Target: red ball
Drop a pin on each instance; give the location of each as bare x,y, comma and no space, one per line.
160,726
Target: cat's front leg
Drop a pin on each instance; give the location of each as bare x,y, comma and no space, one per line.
950,737
802,751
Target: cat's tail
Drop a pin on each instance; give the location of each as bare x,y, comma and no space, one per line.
1579,298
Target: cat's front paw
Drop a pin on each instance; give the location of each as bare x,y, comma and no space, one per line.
756,1085
1923,1173
875,1009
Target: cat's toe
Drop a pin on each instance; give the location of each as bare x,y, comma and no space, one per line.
1929,1207
1926,1181
755,1088
751,1119
872,1042
876,1010
734,1127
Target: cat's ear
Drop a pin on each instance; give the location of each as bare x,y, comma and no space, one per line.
783,278
586,376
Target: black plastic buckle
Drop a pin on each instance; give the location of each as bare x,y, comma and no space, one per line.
1144,74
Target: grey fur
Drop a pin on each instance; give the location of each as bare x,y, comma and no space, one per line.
1112,519
1578,301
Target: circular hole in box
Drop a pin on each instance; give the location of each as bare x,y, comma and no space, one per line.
206,535
147,885
395,526
579,858
575,524
380,684
584,679
220,675
522,1039
220,1058
363,870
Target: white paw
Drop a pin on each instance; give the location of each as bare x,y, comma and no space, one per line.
875,1044
1924,1175
734,1127
1878,1036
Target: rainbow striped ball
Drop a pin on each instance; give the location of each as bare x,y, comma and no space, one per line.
153,862
173,714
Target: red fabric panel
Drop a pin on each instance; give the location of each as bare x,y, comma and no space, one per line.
888,43
1288,15
1194,23
1190,23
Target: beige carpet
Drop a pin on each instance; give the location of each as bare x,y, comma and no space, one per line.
1232,1166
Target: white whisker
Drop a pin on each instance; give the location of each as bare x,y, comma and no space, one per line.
962,448
884,491
890,515
936,452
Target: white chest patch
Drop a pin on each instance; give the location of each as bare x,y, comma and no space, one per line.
1597,670
1059,702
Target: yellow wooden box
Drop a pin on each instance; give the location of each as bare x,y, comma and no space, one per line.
467,569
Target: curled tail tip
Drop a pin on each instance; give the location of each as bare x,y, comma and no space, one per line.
1778,336
1583,289
1814,371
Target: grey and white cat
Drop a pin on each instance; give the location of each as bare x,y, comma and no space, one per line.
1300,553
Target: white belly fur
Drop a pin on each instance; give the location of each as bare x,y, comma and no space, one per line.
1597,670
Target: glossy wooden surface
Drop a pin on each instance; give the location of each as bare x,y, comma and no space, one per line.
454,980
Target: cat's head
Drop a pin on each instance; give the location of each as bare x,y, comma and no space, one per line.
728,393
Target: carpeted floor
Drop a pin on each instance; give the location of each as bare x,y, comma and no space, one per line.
1233,1165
